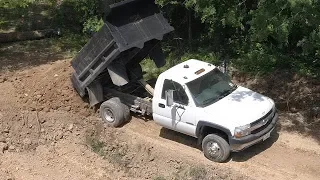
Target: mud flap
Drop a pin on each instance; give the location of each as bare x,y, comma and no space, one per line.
95,93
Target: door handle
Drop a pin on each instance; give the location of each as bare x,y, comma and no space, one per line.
161,105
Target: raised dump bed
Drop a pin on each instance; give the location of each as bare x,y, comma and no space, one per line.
132,31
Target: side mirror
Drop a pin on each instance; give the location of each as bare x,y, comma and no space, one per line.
169,97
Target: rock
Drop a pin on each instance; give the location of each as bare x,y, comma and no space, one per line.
3,147
38,96
42,141
70,127
12,147
293,110
27,142
46,109
42,120
151,158
2,80
6,130
86,113
59,135
85,106
2,140
68,108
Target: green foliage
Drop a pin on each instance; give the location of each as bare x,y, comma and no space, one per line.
150,69
92,24
258,36
86,15
10,4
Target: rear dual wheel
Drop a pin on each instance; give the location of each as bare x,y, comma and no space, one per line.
114,113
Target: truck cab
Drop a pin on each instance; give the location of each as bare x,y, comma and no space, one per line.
197,99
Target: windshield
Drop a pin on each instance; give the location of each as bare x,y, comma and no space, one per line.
210,87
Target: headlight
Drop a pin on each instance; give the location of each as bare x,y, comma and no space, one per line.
242,131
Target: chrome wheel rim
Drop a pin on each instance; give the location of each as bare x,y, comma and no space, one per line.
214,149
108,115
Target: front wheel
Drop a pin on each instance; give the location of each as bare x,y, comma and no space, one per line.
215,148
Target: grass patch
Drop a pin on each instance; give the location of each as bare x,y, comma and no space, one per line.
159,178
96,145
112,151
198,173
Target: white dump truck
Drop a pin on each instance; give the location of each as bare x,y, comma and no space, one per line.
194,97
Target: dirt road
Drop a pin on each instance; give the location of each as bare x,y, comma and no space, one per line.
48,132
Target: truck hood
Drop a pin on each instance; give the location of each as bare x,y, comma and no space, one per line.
239,108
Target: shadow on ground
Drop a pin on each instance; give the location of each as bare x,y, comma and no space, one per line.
179,137
14,56
24,54
255,149
39,16
33,17
238,157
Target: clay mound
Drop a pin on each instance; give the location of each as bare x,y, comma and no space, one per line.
48,88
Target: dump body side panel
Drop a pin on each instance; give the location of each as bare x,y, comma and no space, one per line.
132,31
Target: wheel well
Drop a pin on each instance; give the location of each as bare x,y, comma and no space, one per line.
205,130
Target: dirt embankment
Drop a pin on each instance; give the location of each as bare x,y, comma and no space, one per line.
296,96
49,89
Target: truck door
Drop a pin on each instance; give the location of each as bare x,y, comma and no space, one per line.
180,116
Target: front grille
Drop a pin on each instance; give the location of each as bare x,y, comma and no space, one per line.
262,118
262,127
259,125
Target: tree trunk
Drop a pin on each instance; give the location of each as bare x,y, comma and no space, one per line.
29,35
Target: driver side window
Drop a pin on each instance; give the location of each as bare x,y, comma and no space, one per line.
179,94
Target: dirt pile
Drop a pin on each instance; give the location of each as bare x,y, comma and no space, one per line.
33,104
49,89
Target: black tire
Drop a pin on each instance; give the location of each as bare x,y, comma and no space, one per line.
111,112
126,113
215,148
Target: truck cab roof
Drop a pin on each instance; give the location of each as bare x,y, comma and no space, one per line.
187,71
